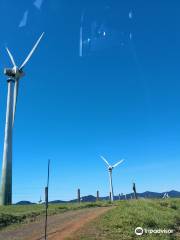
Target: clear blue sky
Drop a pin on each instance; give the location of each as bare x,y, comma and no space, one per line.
121,100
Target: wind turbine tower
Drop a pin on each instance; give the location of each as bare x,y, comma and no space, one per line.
110,168
14,75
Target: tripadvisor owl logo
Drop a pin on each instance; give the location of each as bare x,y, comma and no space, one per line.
139,231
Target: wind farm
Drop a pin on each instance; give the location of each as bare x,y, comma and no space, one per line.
89,128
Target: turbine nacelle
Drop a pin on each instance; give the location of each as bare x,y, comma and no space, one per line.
14,73
110,168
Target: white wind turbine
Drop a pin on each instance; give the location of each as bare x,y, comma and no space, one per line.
14,75
110,168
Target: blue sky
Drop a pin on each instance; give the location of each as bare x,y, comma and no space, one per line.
120,101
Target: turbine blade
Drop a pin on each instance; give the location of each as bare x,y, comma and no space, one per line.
16,88
31,52
11,57
105,161
81,43
115,165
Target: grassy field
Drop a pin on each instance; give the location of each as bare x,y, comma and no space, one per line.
120,222
17,214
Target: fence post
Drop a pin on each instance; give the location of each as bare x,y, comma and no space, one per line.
79,195
134,189
47,200
97,198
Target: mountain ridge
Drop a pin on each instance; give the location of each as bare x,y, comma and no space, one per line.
91,198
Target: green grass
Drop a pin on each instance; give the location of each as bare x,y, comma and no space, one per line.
16,214
120,222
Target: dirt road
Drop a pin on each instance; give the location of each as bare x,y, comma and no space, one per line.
59,226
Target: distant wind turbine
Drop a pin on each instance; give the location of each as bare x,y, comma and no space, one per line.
110,168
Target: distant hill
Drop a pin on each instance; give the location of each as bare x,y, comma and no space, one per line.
174,193
146,194
57,201
24,203
149,194
91,198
